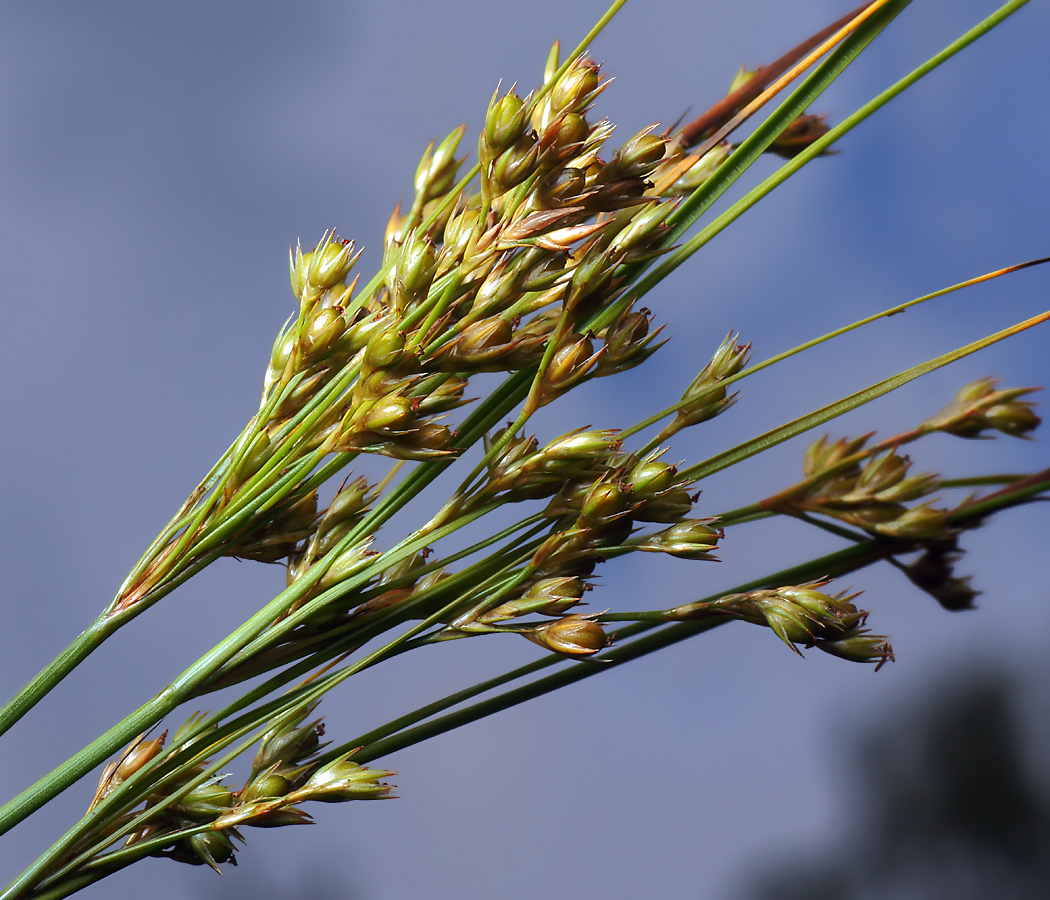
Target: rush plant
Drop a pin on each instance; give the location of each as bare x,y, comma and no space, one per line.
531,259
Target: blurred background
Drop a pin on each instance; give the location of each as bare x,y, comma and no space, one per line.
156,160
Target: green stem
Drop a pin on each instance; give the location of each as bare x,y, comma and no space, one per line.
687,249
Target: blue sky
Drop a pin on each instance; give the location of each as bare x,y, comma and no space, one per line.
155,163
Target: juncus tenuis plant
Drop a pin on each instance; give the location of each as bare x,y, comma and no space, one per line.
533,260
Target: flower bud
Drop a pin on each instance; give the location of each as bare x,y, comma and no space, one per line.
582,445
643,229
572,636
563,137
515,164
637,158
385,349
920,523
436,171
570,364
330,262
289,742
140,753
265,786
548,597
561,187
282,353
206,801
206,848
391,415
323,330
575,88
688,539
803,131
344,780
742,77
1016,419
650,477
605,502
505,122
627,342
861,647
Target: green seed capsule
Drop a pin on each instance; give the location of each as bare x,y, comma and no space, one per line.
574,89
268,784
385,349
516,164
650,478
390,415
323,330
505,122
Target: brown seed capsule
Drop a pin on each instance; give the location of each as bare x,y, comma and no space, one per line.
140,753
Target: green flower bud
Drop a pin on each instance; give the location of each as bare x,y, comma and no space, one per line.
206,801
921,523
330,262
323,330
570,364
561,187
576,87
385,349
344,780
416,266
548,597
1016,419
516,164
252,461
688,539
459,232
351,500
572,636
505,122
265,786
862,648
605,502
282,353
671,505
637,158
742,77
563,137
391,415
582,445
909,489
882,472
207,848
700,171
822,454
436,172
643,229
650,477
628,342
